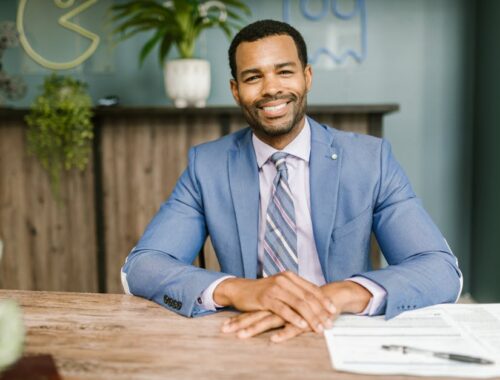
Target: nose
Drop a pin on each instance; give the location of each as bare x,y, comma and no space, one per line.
271,86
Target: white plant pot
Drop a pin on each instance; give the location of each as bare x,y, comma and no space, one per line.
187,82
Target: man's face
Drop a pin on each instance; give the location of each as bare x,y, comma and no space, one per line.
271,85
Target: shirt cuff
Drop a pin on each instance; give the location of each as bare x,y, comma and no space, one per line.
206,298
378,301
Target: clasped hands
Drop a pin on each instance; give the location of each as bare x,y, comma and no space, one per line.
289,302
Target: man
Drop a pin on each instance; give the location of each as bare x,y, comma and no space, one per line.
289,205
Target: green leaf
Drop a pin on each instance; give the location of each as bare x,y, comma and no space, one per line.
60,131
233,15
227,30
238,4
149,45
179,23
165,46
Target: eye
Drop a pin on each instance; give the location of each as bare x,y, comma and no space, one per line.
286,73
251,79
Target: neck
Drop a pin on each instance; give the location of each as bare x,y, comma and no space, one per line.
280,142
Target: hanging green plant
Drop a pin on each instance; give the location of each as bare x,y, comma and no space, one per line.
60,129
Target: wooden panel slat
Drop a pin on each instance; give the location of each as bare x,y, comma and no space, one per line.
15,267
142,160
47,245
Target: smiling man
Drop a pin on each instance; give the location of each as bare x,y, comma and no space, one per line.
290,205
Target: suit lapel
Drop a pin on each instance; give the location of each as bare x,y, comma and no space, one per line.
324,171
244,184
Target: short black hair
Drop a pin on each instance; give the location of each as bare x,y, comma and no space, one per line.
265,28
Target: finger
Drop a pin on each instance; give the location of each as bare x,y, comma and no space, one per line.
284,311
315,290
320,304
243,320
302,302
269,322
245,315
288,332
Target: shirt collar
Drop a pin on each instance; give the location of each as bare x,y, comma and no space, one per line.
299,147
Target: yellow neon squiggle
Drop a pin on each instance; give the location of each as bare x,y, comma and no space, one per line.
64,3
65,23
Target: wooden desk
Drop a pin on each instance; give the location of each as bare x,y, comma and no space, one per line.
112,337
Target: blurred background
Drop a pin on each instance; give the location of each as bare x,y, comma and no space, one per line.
428,68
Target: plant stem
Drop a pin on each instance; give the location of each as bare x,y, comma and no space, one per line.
186,48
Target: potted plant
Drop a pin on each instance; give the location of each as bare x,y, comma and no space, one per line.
179,23
60,129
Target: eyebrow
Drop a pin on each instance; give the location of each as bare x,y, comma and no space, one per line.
281,65
277,66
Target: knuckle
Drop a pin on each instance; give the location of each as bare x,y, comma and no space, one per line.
318,293
315,291
276,320
273,291
281,279
310,297
263,324
236,325
287,314
302,305
253,329
281,310
267,299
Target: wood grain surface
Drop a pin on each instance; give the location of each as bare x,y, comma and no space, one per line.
47,245
142,160
115,337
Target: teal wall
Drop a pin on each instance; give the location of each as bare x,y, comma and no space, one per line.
485,262
419,56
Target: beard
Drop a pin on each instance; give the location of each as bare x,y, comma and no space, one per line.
251,115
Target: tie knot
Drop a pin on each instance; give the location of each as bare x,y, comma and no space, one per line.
278,159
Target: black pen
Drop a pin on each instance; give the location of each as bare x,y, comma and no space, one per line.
441,355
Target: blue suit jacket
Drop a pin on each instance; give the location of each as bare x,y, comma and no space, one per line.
363,190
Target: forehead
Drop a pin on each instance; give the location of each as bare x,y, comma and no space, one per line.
267,51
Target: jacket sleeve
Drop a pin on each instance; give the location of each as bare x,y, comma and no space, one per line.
421,269
160,267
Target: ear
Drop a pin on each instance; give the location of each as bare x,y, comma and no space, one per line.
234,90
308,76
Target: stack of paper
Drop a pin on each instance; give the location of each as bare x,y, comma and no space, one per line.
355,342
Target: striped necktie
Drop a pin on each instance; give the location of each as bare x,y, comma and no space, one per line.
280,239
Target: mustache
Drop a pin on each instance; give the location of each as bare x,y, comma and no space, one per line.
260,103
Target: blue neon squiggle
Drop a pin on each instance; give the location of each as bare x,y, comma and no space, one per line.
339,59
345,16
309,15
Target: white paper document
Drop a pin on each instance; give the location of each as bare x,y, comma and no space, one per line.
355,342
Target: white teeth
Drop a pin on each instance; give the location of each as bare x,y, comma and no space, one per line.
274,108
